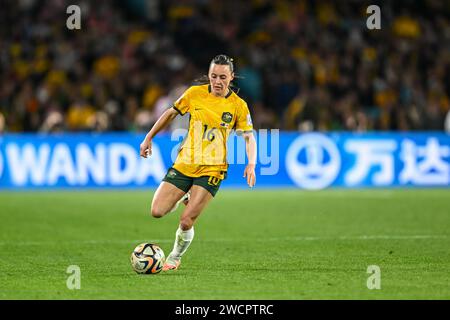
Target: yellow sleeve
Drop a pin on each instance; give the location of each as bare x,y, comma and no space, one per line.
244,120
182,105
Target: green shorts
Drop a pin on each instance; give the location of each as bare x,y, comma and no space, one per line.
183,182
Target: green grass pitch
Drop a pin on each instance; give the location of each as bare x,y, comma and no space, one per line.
249,244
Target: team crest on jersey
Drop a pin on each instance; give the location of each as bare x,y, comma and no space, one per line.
227,117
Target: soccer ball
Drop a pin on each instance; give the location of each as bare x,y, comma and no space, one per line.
147,258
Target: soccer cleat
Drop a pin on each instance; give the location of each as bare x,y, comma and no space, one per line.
171,264
184,199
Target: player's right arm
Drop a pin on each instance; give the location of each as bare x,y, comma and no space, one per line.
163,121
181,106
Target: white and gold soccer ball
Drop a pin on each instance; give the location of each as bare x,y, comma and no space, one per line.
147,258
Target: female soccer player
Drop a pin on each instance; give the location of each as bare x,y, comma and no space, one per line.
201,163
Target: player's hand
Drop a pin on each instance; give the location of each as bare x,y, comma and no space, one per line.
146,148
249,173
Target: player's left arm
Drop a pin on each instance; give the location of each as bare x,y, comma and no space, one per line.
250,148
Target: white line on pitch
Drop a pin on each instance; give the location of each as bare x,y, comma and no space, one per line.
362,237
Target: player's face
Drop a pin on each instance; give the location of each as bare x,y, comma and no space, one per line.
220,77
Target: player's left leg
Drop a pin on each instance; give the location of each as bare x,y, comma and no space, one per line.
200,197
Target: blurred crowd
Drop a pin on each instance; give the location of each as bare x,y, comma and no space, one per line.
302,65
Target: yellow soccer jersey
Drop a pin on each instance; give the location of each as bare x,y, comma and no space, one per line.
204,149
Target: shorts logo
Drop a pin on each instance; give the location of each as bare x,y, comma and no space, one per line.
171,174
213,181
227,117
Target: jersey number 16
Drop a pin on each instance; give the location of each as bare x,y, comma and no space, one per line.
208,134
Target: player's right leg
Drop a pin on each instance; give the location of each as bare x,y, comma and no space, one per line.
166,197
173,187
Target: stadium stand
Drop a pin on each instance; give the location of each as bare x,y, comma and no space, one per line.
303,65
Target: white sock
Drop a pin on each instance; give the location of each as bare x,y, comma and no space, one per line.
182,241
